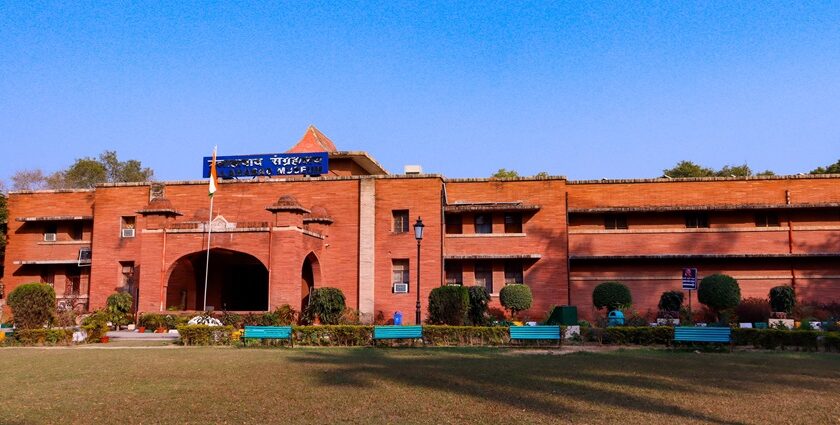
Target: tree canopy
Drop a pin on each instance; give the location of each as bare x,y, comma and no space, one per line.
504,173
690,169
828,169
85,172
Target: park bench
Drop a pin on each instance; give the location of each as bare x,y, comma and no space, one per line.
397,332
539,333
268,332
721,335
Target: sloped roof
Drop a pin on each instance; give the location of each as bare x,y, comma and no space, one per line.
313,141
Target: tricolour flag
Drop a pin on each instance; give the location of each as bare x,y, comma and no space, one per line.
214,179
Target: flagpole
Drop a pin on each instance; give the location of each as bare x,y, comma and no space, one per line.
207,262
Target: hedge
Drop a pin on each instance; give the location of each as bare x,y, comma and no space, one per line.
205,335
466,335
662,335
44,336
333,335
772,339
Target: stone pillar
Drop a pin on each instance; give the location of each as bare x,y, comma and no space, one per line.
367,245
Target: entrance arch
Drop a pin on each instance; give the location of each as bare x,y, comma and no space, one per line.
237,282
309,274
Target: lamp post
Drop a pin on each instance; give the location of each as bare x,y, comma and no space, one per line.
418,234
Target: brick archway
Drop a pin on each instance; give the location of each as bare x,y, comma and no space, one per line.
310,276
237,282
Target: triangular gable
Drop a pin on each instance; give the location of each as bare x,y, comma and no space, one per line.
313,141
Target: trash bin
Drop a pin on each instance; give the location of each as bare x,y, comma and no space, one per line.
615,318
398,318
563,315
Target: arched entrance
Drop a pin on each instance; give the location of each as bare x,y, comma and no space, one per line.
309,271
237,282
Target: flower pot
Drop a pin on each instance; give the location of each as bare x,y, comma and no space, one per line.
160,330
141,329
104,339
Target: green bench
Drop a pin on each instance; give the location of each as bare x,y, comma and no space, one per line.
397,332
268,332
721,335
547,333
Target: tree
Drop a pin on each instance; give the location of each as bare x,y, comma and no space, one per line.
688,169
612,295
782,299
829,169
734,170
516,297
719,292
33,305
84,173
29,180
505,174
542,175
449,305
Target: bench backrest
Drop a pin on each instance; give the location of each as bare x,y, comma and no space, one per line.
280,332
535,332
397,332
701,334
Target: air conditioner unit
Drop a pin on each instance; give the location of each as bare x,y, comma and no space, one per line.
128,233
49,237
85,255
400,288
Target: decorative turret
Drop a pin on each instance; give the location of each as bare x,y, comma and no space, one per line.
158,213
318,220
288,211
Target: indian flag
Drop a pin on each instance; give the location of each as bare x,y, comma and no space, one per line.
214,179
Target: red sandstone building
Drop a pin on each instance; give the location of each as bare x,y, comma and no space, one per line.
274,239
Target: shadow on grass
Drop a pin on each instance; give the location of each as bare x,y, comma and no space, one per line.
635,382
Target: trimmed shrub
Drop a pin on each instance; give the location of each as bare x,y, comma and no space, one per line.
719,292
641,335
96,325
782,299
448,305
44,336
753,310
671,301
612,296
325,304
205,335
152,321
516,297
333,335
466,335
118,305
479,298
771,339
33,305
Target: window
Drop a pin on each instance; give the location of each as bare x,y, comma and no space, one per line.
127,227
399,275
50,231
48,275
484,275
615,221
766,220
454,274
77,231
127,276
454,226
696,221
513,223
513,272
400,221
483,223
73,281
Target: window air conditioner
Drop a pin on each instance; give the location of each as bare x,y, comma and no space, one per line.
49,237
400,288
128,233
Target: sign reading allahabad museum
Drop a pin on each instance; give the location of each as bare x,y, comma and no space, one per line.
277,164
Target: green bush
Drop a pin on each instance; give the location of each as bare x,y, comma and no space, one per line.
479,298
333,335
44,336
782,299
326,304
671,301
205,335
639,335
719,292
753,310
118,305
771,339
448,305
516,297
466,335
612,296
96,325
33,305
832,341
154,321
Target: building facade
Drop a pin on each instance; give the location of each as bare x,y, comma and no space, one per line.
272,240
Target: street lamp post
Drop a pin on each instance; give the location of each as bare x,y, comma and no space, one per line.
418,234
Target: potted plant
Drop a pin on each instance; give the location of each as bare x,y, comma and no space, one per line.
670,303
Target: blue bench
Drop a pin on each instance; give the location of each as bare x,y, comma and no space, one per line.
721,335
548,333
397,332
268,332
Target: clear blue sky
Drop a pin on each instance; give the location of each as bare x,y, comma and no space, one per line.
613,90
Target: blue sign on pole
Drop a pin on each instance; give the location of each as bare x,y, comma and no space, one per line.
689,278
272,165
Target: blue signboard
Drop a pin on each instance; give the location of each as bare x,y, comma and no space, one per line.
272,165
689,278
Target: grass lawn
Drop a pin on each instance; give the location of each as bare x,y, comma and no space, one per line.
435,386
